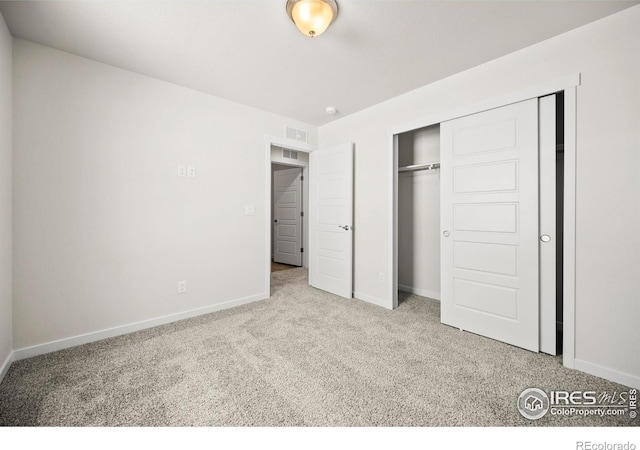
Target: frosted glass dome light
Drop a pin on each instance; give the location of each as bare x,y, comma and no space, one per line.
312,17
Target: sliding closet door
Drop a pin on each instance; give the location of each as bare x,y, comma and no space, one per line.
489,217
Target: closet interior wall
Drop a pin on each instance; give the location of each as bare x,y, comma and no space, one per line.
419,213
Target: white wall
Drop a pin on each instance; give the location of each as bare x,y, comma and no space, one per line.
419,214
104,227
5,196
608,174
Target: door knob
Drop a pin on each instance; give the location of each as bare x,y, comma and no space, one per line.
344,227
446,233
545,238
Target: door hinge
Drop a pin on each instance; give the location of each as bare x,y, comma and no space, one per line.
301,213
301,250
301,177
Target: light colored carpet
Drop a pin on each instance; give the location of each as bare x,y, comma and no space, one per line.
302,358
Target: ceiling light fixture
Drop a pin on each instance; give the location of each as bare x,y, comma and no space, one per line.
312,17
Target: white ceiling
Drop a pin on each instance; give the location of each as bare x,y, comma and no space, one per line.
250,52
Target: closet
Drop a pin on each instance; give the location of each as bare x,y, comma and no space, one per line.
419,212
479,224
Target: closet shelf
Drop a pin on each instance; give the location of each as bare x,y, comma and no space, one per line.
415,167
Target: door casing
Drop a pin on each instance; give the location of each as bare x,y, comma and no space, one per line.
269,142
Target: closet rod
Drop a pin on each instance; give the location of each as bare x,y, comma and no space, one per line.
414,167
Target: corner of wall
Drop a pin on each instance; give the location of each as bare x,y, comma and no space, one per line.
6,364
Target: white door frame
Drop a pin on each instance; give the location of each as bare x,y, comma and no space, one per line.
568,85
289,144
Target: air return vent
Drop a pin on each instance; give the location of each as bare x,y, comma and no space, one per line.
296,134
289,154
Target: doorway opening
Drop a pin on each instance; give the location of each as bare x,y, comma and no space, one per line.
288,208
327,210
287,217
459,241
413,162
419,212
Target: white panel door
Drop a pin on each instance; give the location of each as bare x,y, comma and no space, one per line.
331,220
287,199
489,214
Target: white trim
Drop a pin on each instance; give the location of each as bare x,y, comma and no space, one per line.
392,220
4,368
61,344
270,141
608,374
495,102
371,299
569,231
421,292
567,84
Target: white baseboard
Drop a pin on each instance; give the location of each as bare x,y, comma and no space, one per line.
74,341
4,368
608,374
421,292
371,299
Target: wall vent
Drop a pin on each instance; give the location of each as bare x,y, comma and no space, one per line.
296,134
289,154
